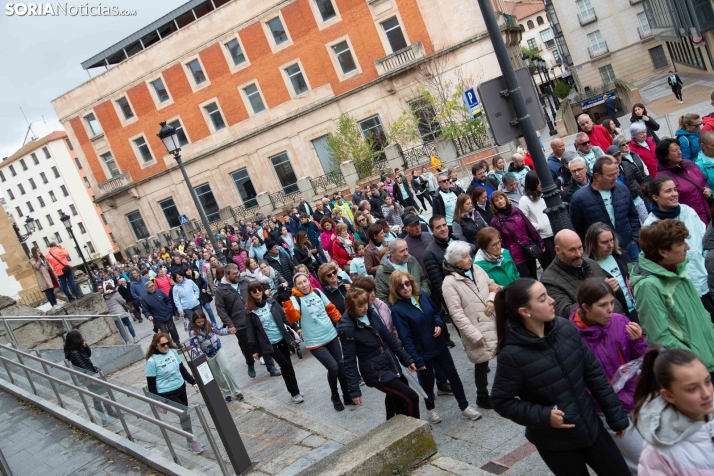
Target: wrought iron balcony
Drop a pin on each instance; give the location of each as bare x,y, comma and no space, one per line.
328,181
115,182
644,34
400,58
587,17
290,194
600,50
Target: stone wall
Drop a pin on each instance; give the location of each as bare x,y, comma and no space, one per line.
50,334
17,274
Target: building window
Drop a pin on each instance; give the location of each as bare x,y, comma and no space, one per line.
69,144
532,44
530,24
86,182
90,247
276,28
245,187
143,149
125,107
585,9
180,134
373,132
344,57
79,164
104,219
12,170
49,220
137,225
427,123
196,71
73,209
546,36
10,194
284,170
64,190
644,23
52,196
208,201
111,164
236,52
683,52
32,183
2,176
58,237
81,228
56,172
47,241
35,160
539,20
19,211
394,33
29,207
253,95
160,90
43,177
327,10
93,124
607,74
297,79
46,152
24,165
111,235
597,44
171,213
39,224
215,115
21,188
42,201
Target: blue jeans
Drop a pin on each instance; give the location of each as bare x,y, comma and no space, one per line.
127,323
634,252
67,283
209,311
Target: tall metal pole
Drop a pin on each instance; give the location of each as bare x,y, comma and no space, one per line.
556,210
81,255
548,97
201,212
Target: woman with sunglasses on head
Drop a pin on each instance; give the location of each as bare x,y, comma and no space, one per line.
166,377
316,315
419,326
265,326
334,288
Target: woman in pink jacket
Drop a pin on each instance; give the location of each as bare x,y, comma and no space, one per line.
328,234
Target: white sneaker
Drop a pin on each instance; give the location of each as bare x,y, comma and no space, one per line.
261,361
433,417
298,398
471,413
136,340
195,447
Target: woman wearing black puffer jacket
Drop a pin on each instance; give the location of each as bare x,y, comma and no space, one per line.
365,338
544,379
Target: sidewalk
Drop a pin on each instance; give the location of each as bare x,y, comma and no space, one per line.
34,442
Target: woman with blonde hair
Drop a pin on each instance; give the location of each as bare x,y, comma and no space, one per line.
688,135
419,326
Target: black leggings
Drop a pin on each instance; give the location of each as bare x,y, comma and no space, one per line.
179,396
169,328
603,457
447,364
677,90
423,198
400,398
281,355
330,356
528,269
708,305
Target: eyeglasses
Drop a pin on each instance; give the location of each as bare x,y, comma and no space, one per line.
445,180
163,344
361,220
331,274
696,125
405,284
495,244
577,171
584,143
257,291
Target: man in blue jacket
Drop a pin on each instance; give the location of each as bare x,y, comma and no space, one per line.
555,159
137,284
608,201
157,308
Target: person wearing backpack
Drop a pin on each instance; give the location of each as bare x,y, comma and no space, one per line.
58,257
317,315
688,135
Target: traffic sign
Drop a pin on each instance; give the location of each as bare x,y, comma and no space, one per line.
183,219
471,101
499,110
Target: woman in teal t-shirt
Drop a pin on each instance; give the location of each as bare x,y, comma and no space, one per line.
166,377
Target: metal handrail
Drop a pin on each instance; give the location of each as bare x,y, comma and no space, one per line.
64,319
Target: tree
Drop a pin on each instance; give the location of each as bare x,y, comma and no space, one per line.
348,143
562,89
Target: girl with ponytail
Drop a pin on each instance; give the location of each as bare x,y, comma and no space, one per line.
674,414
545,377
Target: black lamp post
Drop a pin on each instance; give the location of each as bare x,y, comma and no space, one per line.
532,63
167,134
556,210
545,79
30,226
67,222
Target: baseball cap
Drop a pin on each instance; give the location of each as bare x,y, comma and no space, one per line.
613,150
410,219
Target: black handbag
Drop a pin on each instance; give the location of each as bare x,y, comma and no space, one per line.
66,269
531,250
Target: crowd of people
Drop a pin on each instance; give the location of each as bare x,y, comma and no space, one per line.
602,333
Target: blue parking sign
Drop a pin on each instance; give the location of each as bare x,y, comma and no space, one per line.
471,101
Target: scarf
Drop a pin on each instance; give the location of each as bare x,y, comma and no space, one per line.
347,245
663,215
493,259
506,211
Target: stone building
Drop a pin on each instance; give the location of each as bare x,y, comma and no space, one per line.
254,88
16,274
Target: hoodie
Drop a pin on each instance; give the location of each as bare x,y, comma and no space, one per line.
674,444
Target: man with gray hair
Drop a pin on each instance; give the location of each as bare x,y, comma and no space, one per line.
580,177
598,135
512,189
398,258
587,150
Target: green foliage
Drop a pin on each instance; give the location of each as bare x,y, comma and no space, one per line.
404,130
562,89
530,52
348,143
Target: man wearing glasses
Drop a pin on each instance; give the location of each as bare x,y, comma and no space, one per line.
580,178
587,150
598,135
445,200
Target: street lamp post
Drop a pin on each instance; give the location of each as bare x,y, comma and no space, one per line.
167,134
543,67
556,210
30,226
551,130
67,222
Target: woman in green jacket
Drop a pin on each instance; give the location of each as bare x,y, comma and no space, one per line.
668,304
493,259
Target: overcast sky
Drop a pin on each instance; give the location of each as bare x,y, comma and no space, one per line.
41,56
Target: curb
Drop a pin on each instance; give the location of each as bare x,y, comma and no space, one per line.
112,439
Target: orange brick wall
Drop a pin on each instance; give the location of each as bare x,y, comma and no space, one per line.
308,45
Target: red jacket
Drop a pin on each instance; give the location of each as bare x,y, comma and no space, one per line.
338,252
648,156
58,259
600,137
163,284
707,123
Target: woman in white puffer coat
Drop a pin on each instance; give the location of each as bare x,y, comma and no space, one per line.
469,293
